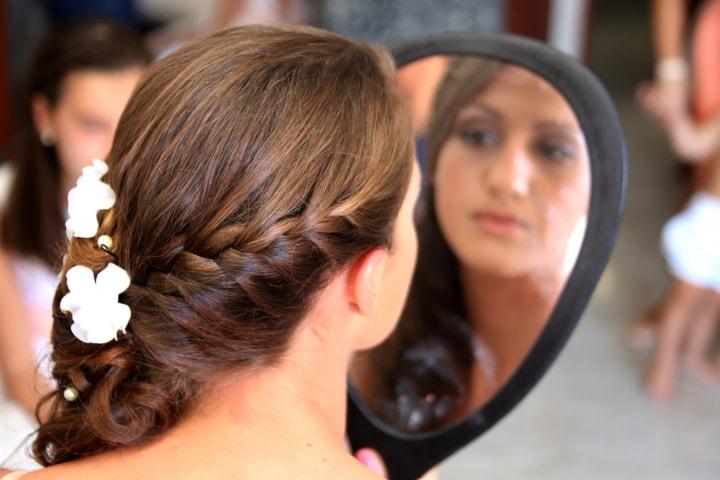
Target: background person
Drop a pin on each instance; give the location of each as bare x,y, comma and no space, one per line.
81,78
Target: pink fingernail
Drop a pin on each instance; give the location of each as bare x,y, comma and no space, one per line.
368,459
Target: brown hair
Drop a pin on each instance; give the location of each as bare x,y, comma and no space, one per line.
249,168
422,370
32,222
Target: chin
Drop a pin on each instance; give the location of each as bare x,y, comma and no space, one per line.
501,269
497,258
499,263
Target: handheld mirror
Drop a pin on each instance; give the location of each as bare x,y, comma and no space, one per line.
523,163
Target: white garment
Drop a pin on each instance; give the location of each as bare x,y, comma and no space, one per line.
36,284
16,430
13,476
35,281
691,242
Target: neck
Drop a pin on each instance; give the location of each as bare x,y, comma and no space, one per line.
508,314
277,422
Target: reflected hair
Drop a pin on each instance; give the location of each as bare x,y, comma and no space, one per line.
250,167
32,222
423,368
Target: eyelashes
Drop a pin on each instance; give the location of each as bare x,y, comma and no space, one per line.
479,137
547,147
556,150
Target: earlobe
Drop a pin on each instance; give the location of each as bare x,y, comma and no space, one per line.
40,108
365,281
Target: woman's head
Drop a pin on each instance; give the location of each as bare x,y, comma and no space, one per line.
509,181
250,168
509,167
81,77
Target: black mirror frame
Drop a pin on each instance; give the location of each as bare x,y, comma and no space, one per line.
406,456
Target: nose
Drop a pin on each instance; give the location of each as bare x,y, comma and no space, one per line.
510,172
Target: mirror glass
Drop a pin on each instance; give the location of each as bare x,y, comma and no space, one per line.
500,222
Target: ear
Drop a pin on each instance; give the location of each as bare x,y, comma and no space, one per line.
41,114
364,281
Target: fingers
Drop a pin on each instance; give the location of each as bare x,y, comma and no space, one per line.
372,460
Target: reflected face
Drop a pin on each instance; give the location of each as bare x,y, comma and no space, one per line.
512,179
87,113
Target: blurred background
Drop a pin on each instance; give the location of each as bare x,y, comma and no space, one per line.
590,416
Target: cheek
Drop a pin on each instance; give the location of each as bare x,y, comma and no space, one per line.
455,189
407,256
402,268
76,148
412,254
455,174
70,154
559,208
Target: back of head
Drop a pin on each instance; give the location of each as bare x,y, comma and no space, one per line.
32,222
250,167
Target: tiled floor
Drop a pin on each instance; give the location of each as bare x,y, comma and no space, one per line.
589,418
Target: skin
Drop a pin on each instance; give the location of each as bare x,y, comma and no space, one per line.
17,359
511,182
681,327
84,119
83,122
688,312
668,28
286,421
512,179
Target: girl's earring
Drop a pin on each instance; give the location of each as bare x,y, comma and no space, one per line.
47,138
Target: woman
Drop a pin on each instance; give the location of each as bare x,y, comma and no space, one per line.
683,326
504,216
81,78
264,191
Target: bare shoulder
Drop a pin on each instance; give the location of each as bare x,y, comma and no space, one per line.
8,474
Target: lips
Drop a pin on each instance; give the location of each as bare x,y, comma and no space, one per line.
499,223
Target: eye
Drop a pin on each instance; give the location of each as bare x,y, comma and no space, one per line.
556,150
93,126
478,137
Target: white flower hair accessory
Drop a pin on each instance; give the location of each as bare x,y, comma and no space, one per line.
97,315
86,199
93,302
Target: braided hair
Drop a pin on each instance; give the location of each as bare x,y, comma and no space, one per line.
249,168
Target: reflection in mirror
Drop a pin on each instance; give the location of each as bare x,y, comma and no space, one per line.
500,223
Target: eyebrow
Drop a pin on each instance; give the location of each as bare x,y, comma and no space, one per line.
558,126
570,132
484,108
553,126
